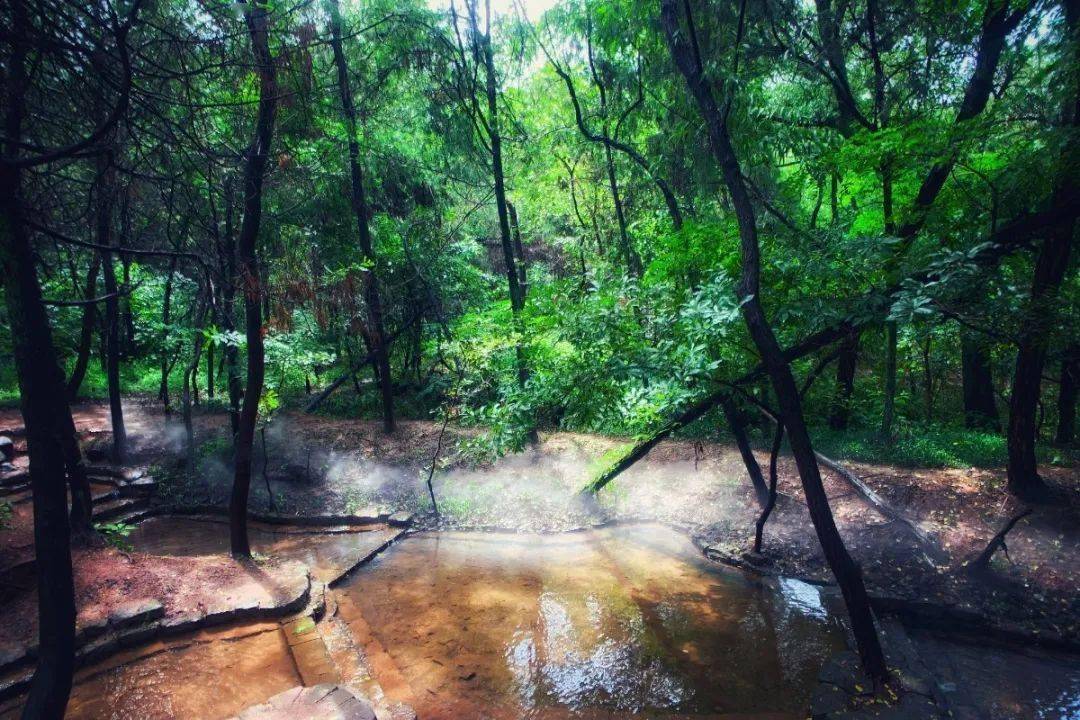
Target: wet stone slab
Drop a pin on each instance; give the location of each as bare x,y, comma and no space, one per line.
320,702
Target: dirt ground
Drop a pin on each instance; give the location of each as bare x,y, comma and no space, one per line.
325,465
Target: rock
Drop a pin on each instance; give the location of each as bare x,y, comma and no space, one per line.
319,702
135,612
827,699
7,449
11,653
401,519
843,671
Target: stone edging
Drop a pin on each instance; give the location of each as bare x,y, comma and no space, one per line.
138,622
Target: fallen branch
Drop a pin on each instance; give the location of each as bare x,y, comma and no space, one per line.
981,564
642,448
930,549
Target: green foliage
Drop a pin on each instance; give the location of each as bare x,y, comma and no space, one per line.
116,534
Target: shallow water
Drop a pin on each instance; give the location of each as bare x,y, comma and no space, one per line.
626,622
619,623
212,674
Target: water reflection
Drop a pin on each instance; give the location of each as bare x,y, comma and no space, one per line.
617,623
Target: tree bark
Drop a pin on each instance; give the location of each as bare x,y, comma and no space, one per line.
105,196
227,262
1022,468
43,399
1050,267
888,411
844,568
210,370
257,21
166,318
1067,391
86,331
360,210
519,250
482,42
980,408
840,410
737,424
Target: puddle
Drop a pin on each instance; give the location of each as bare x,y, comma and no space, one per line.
328,554
619,623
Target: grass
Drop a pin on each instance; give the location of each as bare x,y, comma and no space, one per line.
934,446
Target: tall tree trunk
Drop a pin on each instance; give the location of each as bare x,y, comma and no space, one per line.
844,568
846,363
1067,391
43,399
980,408
1022,469
105,190
166,318
227,263
633,262
255,16
86,331
1050,267
928,378
127,317
210,370
360,211
888,411
517,297
519,250
189,381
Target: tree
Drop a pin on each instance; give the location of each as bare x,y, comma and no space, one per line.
256,17
359,203
847,573
1050,267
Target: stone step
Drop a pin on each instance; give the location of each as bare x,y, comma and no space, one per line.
7,491
112,510
309,652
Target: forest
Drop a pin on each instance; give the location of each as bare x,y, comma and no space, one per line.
546,359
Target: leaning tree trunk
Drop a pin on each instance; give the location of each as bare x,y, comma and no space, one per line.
43,399
257,22
847,572
360,211
86,331
980,408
